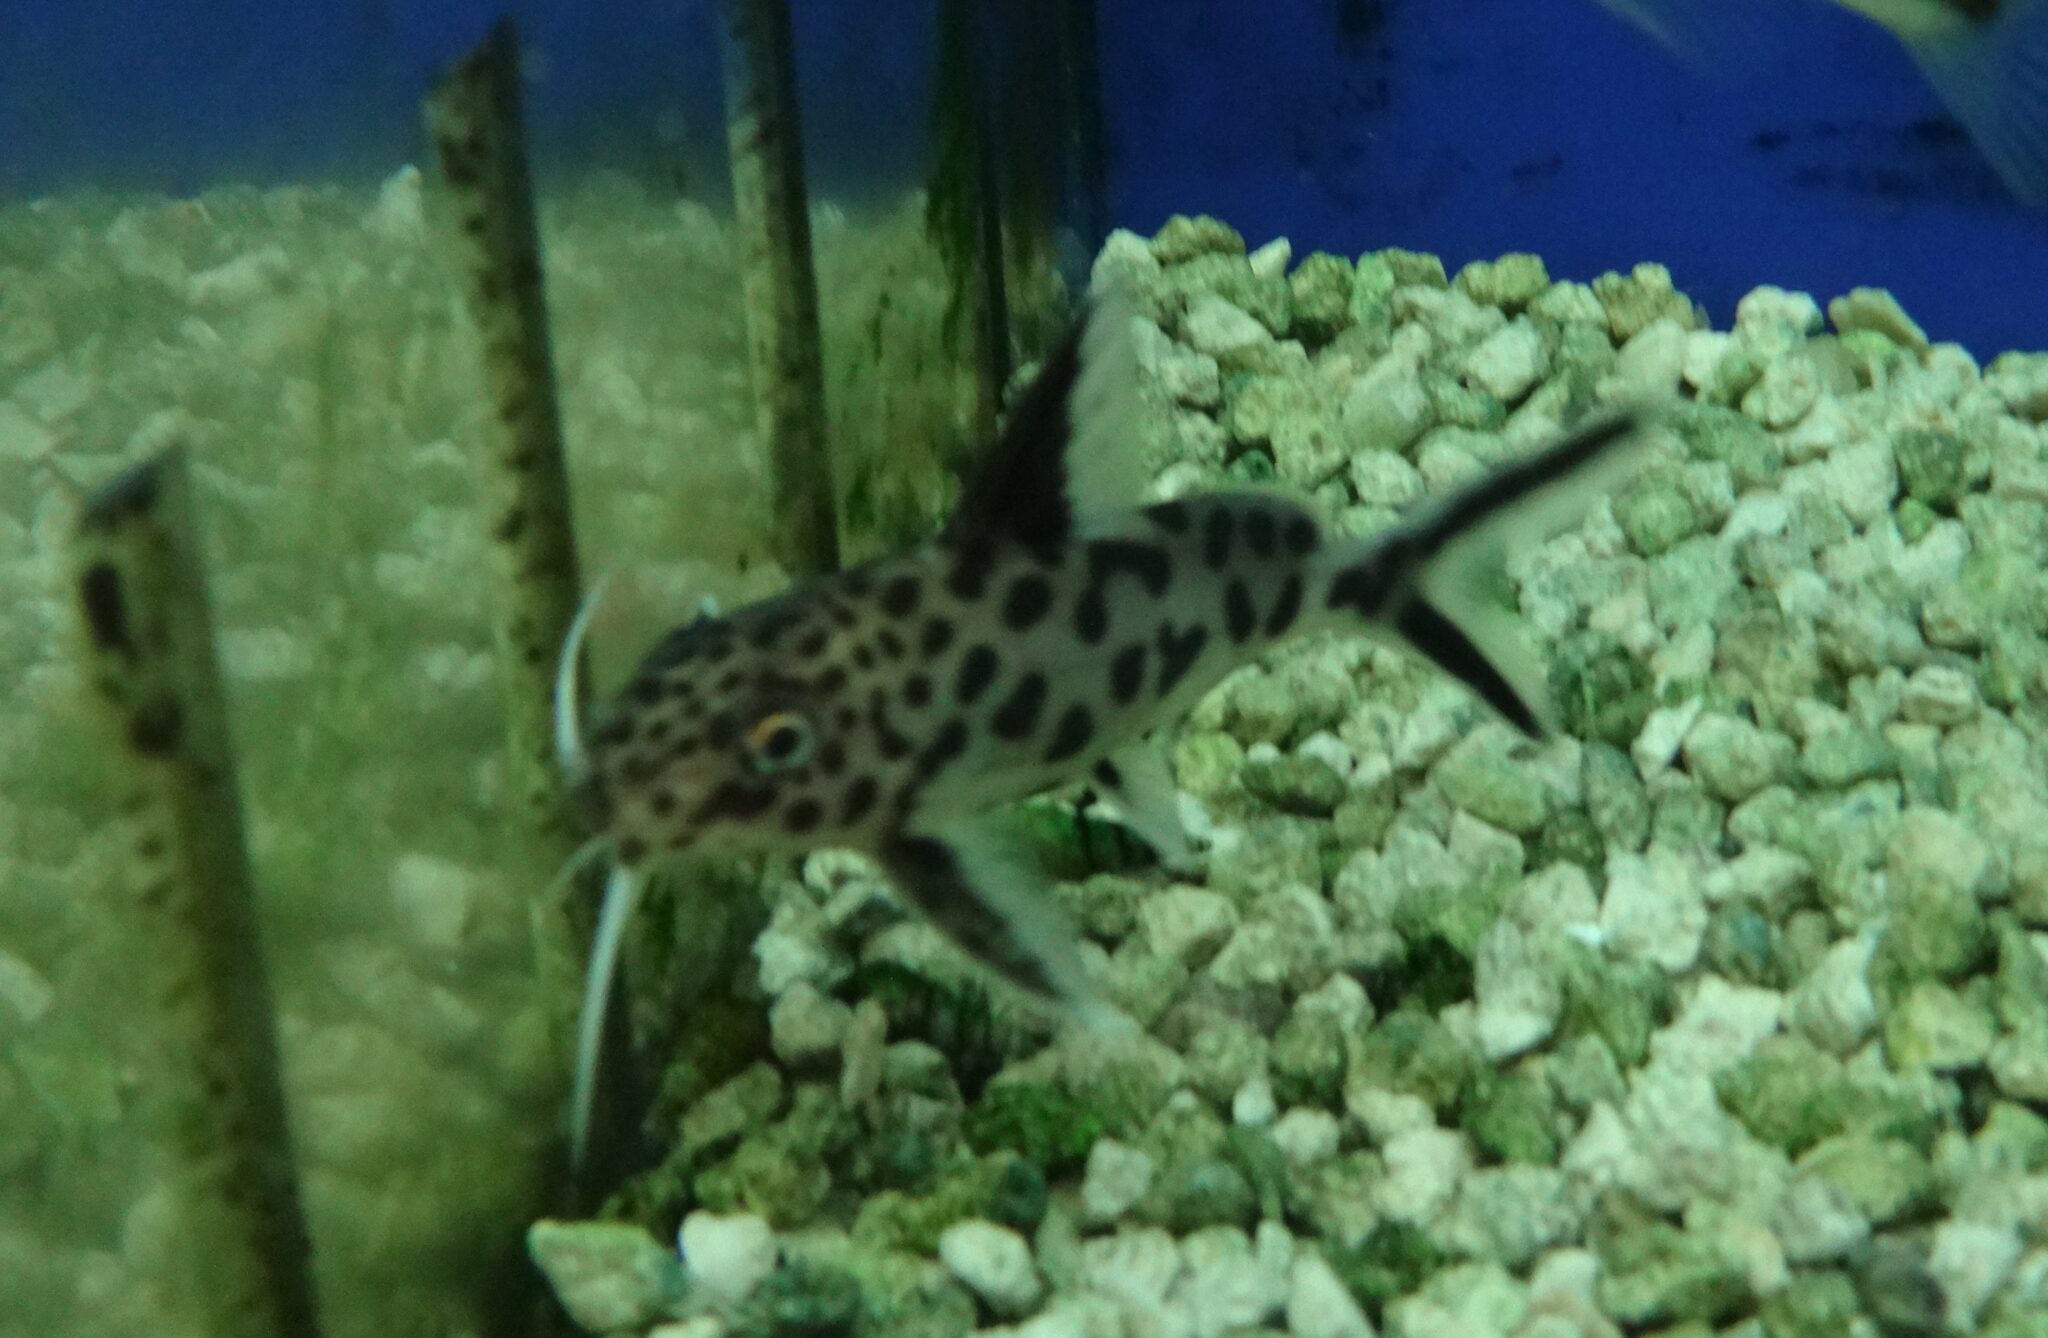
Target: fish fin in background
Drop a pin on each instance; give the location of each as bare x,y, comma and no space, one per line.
1434,580
1991,72
1135,782
980,889
1069,445
1706,34
621,891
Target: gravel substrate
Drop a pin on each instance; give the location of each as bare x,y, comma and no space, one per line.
1726,1013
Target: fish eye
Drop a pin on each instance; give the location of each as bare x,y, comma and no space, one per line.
779,741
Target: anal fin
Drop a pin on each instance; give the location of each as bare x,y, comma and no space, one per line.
981,892
1134,780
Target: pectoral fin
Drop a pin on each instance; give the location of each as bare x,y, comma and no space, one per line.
981,892
1135,782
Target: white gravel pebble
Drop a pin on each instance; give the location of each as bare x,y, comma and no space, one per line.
1319,1305
1117,1177
1971,1262
995,1263
727,1256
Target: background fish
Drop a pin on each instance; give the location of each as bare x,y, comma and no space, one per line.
1035,643
1987,61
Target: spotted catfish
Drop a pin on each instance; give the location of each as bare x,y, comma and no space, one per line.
1035,643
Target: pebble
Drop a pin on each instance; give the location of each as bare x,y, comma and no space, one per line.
1971,1261
1319,1305
727,1256
1307,1137
806,1025
1653,910
1508,362
1187,924
607,1275
1223,331
1117,1176
1424,1169
995,1263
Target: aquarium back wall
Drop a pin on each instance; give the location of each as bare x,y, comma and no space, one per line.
1818,159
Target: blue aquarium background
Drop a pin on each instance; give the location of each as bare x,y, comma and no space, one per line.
1817,159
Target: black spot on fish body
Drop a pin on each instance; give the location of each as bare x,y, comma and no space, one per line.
859,800
947,744
735,799
890,644
802,816
1301,536
856,581
831,681
1018,715
1239,617
813,643
842,617
846,718
721,729
1091,616
1127,673
1260,532
631,851
99,592
937,635
1286,606
662,803
917,690
893,744
1217,529
973,559
1169,516
1177,653
1360,589
1029,597
900,596
1072,734
1148,562
831,757
863,658
977,671
645,690
1106,772
731,679
613,732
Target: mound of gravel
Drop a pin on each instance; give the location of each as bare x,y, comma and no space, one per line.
1726,1011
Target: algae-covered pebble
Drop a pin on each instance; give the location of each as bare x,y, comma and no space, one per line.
1639,297
1186,236
1886,1178
1934,1027
1479,776
1789,1093
1733,757
1877,311
1187,924
607,1275
1511,282
1306,786
1321,288
746,1103
1655,1273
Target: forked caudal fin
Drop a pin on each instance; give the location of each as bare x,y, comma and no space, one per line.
1426,578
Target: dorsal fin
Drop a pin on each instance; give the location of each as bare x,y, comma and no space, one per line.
1069,445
